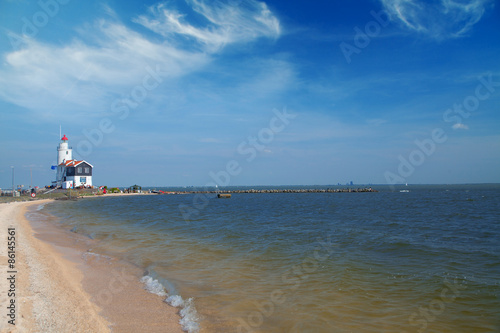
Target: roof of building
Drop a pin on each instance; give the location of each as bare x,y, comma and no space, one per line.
64,138
74,163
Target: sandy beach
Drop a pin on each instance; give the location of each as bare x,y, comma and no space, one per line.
57,284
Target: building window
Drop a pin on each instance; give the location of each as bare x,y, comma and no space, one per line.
66,152
83,180
87,170
79,170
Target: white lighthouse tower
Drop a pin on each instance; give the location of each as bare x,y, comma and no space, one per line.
64,153
71,173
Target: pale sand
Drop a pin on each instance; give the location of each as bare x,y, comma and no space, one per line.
60,287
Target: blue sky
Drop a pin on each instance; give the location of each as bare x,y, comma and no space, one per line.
247,92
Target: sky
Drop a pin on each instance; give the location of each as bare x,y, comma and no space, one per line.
193,92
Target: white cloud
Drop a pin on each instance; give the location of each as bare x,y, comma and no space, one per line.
227,22
49,78
439,19
107,59
460,126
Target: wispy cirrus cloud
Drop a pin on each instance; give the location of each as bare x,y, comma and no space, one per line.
438,19
108,57
46,77
225,22
84,77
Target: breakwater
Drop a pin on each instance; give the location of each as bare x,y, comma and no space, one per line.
327,190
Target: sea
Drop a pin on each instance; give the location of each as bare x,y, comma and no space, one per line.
423,260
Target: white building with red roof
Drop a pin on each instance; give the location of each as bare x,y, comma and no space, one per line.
71,173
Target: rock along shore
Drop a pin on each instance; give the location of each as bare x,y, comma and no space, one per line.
329,190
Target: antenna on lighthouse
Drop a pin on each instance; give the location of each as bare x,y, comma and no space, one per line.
60,132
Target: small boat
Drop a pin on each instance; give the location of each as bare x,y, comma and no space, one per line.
221,195
405,191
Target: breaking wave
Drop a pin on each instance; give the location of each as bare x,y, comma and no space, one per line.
188,313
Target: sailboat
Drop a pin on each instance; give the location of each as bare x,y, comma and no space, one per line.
406,189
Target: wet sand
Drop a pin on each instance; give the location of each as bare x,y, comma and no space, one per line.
62,286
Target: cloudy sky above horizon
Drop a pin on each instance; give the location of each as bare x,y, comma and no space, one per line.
270,93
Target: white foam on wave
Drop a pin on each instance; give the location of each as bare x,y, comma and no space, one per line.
188,313
40,206
153,286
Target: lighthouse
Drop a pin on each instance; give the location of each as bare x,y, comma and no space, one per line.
71,173
64,153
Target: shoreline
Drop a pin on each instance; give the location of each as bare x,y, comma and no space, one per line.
61,285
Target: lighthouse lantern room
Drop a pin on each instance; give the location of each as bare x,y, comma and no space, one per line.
71,173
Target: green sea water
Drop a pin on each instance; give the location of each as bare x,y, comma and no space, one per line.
427,260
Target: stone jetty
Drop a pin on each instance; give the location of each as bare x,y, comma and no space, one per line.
327,190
